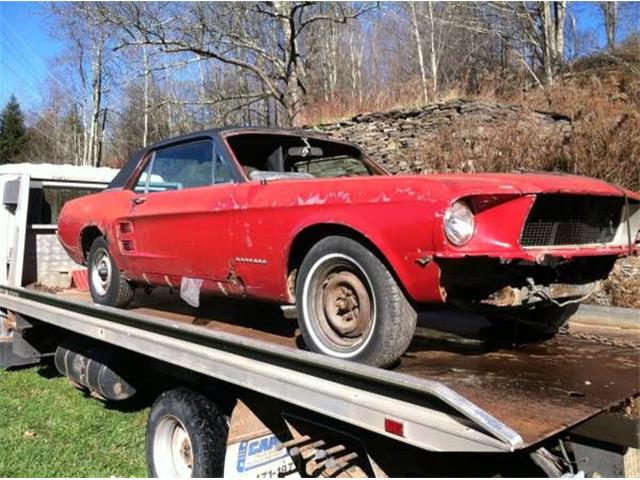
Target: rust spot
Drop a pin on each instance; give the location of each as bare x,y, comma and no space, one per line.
424,261
443,293
291,282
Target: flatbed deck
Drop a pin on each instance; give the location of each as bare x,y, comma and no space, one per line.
537,389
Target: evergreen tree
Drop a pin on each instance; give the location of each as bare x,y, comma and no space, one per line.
13,134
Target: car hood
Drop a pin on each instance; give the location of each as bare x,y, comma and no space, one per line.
461,185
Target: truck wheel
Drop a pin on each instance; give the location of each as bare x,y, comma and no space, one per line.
350,306
186,436
542,321
106,283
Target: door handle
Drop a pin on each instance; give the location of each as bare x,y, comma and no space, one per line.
138,200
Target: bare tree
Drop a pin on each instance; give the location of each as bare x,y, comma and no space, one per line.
263,40
416,32
83,24
433,51
536,29
610,16
552,17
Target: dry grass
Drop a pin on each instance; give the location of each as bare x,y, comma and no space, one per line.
605,110
401,95
512,145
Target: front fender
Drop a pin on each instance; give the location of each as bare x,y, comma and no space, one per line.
404,244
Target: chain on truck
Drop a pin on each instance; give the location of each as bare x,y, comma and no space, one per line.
236,396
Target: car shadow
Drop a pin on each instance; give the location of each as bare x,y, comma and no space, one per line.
220,313
445,329
455,331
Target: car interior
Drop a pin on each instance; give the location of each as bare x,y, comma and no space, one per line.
274,156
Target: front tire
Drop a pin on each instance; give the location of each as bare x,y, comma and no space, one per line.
106,283
186,436
350,306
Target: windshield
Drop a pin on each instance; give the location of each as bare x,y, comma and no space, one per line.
270,156
339,166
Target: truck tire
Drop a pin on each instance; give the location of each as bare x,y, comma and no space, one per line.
542,321
186,436
106,283
350,306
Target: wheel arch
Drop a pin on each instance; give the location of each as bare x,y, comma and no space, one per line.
306,238
88,234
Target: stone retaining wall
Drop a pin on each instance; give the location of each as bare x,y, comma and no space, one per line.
395,138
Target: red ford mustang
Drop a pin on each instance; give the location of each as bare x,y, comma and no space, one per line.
293,217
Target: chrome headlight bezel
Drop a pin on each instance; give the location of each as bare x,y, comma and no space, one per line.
459,223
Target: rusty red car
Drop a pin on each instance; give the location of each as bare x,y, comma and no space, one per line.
295,217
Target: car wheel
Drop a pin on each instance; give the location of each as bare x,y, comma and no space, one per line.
350,306
106,283
186,436
543,320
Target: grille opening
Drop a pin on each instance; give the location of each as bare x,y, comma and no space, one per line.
571,220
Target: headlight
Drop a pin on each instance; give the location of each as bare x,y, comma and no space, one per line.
459,223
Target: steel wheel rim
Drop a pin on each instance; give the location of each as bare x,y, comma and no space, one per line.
172,449
339,306
101,271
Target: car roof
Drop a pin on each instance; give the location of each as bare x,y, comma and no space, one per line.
225,131
125,172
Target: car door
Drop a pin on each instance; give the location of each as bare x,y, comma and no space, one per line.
179,224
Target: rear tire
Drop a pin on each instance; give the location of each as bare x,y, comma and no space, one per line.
543,320
106,283
186,436
350,306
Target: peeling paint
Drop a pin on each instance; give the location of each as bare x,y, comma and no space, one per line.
425,260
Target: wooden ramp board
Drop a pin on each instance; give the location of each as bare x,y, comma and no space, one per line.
537,389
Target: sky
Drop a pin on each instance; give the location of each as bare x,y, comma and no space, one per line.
27,48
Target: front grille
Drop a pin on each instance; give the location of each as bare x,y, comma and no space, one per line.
558,219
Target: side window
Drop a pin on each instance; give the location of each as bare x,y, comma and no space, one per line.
141,184
184,166
189,165
221,171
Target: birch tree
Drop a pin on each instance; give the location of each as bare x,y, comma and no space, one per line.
416,33
82,23
609,12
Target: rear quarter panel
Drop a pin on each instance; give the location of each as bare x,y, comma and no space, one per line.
97,210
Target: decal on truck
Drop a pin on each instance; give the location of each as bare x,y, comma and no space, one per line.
260,457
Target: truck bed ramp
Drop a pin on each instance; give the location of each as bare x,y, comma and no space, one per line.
477,397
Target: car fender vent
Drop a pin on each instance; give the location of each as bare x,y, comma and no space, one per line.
127,245
125,227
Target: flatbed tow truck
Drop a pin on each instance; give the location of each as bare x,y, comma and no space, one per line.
237,394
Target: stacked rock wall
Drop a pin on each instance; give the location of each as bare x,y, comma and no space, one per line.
404,139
